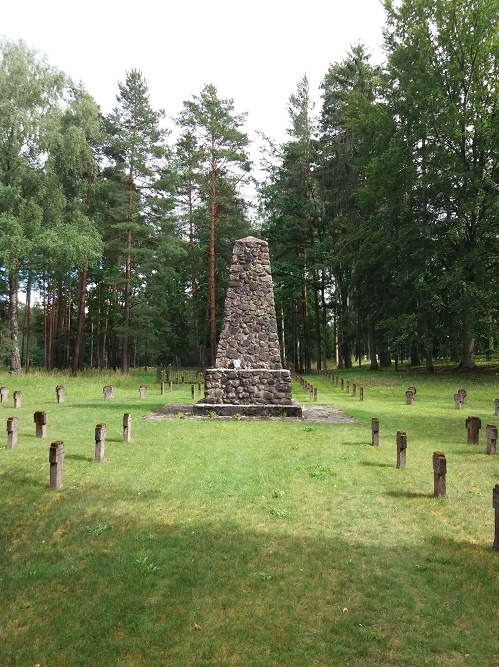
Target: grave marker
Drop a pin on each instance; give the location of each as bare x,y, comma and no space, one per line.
463,393
348,387
439,474
127,427
40,419
162,387
18,396
354,390
60,392
375,432
401,448
56,458
491,434
4,394
473,424
409,397
12,429
193,391
109,391
458,401
100,441
142,391
496,406
361,393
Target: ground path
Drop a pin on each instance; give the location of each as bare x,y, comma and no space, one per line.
316,414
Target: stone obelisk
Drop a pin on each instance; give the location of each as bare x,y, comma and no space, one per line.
248,377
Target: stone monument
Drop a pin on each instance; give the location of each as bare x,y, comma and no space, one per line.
248,378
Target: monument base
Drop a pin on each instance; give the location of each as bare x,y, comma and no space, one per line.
293,409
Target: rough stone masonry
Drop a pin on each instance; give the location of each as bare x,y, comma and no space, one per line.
248,377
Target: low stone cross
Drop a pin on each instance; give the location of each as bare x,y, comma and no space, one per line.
40,419
473,424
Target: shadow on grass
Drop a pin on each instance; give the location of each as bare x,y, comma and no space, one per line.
78,457
408,494
131,589
373,464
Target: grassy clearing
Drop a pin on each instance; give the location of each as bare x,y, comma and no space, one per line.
229,542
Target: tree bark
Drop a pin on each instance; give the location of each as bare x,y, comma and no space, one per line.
15,357
80,324
211,276
468,353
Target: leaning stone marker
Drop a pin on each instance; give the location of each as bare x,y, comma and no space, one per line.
248,377
40,419
439,474
12,430
56,457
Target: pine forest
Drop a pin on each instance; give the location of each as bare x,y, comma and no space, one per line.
381,208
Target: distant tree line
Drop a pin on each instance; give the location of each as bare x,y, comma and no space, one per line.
381,210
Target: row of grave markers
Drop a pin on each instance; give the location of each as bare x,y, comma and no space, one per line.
109,392
40,419
440,462
335,379
472,424
56,450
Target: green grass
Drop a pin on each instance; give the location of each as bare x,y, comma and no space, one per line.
230,542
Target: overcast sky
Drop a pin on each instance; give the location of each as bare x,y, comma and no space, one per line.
254,52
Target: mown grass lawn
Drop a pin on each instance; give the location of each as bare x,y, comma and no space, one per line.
232,542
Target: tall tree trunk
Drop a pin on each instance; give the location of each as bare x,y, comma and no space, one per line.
15,357
193,284
125,360
318,351
428,342
80,324
372,343
324,323
468,352
27,358
211,276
